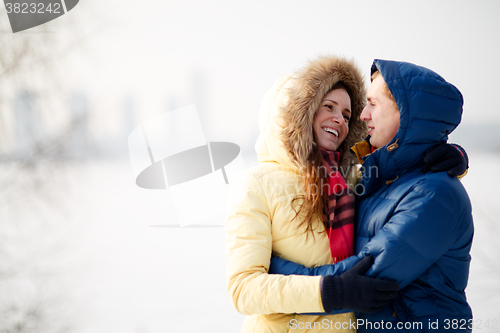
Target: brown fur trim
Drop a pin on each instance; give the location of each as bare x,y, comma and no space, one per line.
310,85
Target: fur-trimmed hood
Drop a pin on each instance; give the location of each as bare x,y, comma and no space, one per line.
289,107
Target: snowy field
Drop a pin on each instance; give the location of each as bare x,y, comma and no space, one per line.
109,270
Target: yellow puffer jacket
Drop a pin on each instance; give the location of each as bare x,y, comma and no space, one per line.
260,221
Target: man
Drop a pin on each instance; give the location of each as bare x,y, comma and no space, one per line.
418,226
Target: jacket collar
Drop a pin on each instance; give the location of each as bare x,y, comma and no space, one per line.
362,149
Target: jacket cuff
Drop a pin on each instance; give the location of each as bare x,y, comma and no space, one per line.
331,293
463,175
464,154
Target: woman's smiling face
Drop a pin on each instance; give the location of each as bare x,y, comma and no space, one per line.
331,122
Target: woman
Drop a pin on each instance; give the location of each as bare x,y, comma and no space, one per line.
276,208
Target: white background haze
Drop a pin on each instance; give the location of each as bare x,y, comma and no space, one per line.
115,273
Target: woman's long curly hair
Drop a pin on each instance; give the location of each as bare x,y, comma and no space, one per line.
304,97
314,200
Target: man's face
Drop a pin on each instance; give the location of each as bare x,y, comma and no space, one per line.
381,114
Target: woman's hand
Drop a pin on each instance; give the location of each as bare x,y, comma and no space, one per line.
446,157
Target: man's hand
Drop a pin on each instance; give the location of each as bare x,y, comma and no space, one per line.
351,290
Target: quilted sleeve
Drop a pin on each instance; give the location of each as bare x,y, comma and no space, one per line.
248,253
286,267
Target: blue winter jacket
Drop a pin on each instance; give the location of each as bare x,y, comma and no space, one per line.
418,226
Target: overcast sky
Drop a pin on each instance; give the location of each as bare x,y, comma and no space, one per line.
224,55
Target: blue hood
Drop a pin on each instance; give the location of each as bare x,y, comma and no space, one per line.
430,109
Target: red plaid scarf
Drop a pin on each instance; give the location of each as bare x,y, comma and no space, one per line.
338,215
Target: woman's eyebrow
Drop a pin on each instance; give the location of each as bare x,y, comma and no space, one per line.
326,99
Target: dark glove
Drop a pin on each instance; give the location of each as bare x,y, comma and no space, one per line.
446,157
352,290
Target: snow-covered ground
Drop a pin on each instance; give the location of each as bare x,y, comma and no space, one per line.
142,278
483,291
120,274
